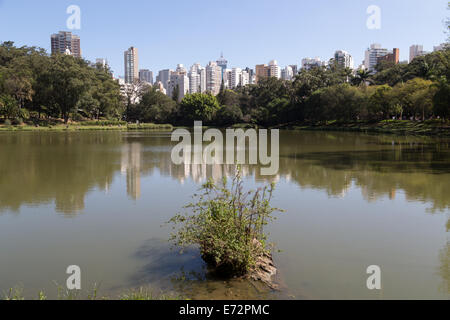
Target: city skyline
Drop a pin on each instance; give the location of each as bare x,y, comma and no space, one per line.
250,42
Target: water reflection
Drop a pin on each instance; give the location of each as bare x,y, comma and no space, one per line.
59,170
39,168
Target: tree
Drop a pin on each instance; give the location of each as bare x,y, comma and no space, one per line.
198,107
69,79
228,115
156,107
362,77
9,107
380,104
441,99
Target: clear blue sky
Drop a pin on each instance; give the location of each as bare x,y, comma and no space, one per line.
249,32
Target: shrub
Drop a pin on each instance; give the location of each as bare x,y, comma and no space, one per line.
227,224
7,122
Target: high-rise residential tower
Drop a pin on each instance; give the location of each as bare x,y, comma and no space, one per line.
65,42
415,50
131,60
287,73
164,77
213,78
146,75
261,71
343,59
372,54
179,84
222,63
274,69
197,78
308,63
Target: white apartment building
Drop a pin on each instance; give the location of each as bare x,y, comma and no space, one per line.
308,63
245,78
178,81
164,77
213,78
343,59
131,62
274,69
236,74
197,78
416,50
372,54
287,73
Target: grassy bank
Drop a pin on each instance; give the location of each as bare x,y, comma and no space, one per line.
85,127
401,127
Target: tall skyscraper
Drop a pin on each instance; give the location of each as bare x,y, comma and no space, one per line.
197,78
415,50
372,54
213,78
164,77
146,75
222,63
178,81
131,60
343,59
294,69
251,75
261,71
66,42
236,77
274,69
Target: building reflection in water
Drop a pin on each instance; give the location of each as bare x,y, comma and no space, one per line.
130,166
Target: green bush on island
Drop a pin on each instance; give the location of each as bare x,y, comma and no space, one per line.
227,223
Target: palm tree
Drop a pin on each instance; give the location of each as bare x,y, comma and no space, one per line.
362,77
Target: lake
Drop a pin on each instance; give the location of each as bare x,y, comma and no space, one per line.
100,200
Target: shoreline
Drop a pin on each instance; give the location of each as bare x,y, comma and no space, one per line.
438,128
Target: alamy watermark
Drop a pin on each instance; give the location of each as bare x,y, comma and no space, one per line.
374,280
74,20
191,151
374,20
73,282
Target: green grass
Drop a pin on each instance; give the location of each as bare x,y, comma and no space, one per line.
402,127
141,293
85,127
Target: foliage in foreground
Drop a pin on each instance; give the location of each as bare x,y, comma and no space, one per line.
141,293
227,223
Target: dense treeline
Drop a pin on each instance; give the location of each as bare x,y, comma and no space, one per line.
419,90
35,86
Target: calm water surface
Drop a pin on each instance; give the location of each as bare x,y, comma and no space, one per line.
100,200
